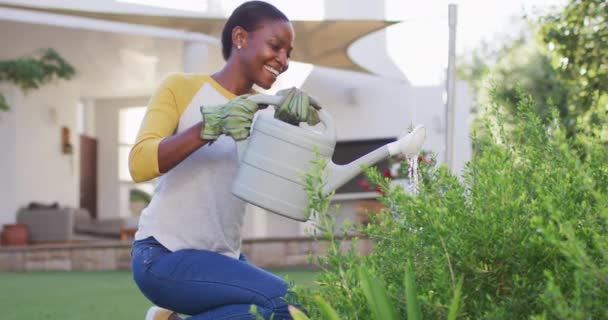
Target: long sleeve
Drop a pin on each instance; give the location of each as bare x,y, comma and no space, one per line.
160,121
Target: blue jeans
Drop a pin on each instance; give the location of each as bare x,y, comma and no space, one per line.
206,284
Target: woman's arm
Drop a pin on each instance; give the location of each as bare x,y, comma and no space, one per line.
174,149
158,147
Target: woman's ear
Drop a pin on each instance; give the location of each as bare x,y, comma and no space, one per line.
239,37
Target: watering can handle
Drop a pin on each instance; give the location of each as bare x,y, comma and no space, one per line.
326,119
261,98
265,99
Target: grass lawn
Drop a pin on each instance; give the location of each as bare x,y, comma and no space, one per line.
83,295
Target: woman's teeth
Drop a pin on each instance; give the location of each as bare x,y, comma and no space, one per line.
272,70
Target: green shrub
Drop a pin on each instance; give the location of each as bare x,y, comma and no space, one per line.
378,302
524,227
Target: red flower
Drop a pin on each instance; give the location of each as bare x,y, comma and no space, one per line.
387,173
379,190
364,184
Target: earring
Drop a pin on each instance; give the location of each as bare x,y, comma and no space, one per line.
238,47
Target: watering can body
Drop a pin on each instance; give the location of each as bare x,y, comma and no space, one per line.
273,165
278,155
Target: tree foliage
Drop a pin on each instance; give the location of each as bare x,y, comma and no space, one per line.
577,38
518,65
562,63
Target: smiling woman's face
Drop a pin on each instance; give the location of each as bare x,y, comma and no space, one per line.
266,50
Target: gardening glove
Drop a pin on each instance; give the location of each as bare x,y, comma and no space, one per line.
297,106
232,119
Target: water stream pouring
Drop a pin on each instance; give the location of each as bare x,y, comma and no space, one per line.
277,155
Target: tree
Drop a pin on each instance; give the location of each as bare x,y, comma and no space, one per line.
519,63
577,38
560,63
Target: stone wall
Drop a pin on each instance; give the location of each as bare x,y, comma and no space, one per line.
116,255
292,252
98,256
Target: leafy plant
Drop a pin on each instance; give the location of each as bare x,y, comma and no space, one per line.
32,72
520,235
376,296
378,301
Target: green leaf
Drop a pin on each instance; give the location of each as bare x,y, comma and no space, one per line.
253,310
297,314
377,298
326,310
455,305
412,306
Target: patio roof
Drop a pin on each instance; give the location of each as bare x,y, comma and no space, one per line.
322,43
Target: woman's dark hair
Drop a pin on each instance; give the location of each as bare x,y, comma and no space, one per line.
249,16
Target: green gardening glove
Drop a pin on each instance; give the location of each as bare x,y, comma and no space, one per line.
297,107
232,119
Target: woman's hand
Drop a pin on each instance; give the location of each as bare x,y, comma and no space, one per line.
232,119
296,107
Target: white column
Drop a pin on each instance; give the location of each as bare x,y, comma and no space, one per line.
108,185
450,87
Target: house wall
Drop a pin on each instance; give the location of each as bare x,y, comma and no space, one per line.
365,106
8,159
43,172
108,65
33,166
362,106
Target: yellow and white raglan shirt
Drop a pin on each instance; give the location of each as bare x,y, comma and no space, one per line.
192,206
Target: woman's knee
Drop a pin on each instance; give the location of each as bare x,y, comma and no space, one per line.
275,310
279,305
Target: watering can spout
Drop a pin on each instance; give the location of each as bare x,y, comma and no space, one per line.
408,145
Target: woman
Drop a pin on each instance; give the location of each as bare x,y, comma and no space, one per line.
186,254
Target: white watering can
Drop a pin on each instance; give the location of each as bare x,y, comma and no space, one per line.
277,155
